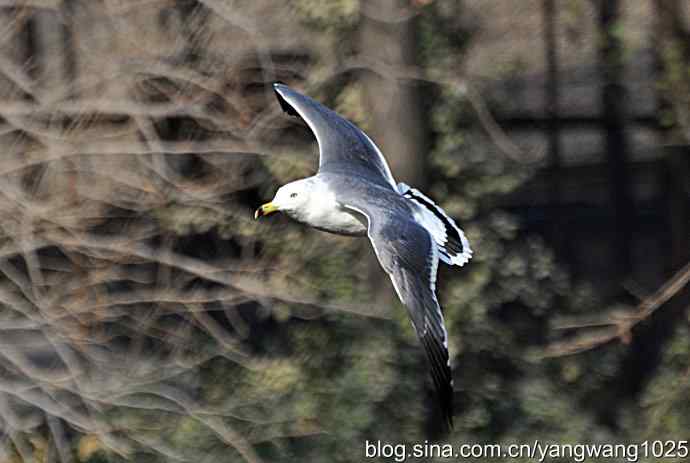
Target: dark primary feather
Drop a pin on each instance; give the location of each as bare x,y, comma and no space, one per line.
343,147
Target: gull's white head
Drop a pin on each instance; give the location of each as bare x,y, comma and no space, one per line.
290,198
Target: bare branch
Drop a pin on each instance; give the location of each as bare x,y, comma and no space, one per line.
617,326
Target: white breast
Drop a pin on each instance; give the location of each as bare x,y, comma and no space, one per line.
323,212
340,222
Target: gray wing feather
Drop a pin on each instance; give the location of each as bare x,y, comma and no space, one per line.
343,147
407,253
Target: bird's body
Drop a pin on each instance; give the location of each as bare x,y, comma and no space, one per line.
324,211
354,193
332,208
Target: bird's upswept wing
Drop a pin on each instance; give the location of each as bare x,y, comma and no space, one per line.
407,253
343,147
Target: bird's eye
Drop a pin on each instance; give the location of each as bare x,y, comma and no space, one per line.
293,195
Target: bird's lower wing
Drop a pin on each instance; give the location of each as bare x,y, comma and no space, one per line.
407,253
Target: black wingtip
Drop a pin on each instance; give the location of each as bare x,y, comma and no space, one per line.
448,419
441,375
445,402
278,87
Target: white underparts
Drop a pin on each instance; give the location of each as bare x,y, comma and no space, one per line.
322,211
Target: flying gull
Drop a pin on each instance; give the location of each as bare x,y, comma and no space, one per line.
354,193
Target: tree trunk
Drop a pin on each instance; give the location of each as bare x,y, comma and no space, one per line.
396,121
616,145
672,34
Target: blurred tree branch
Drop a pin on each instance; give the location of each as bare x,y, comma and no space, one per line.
618,325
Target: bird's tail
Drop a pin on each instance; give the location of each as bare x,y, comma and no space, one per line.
454,249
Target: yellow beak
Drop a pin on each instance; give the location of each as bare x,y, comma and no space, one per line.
266,209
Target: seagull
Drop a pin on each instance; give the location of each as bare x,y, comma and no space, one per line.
354,193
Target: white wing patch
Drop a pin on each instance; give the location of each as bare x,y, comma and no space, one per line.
453,246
